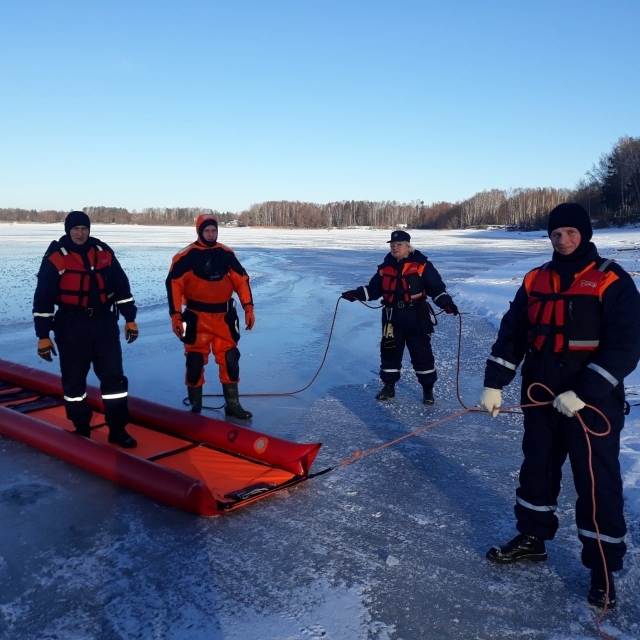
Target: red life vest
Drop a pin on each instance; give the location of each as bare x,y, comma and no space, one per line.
571,318
408,283
75,281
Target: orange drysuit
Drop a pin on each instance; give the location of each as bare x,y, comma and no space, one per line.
203,278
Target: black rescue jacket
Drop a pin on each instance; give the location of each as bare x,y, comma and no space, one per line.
404,284
89,279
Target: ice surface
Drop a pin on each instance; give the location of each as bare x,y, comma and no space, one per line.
390,547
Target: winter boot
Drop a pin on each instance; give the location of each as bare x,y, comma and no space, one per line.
121,438
598,590
388,391
83,430
427,395
522,547
195,398
233,406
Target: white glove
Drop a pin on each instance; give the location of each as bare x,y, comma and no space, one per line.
490,400
568,403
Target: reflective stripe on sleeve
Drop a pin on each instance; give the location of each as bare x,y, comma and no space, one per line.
125,300
444,293
534,507
366,294
504,363
114,396
78,399
593,534
603,372
42,315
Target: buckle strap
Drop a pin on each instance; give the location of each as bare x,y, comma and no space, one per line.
85,311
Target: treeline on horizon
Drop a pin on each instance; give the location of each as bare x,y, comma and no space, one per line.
610,192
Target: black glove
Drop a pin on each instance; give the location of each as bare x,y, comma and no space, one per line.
451,308
350,296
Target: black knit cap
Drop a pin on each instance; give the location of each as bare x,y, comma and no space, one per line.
571,214
399,236
76,219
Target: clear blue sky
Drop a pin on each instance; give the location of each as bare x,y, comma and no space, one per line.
143,103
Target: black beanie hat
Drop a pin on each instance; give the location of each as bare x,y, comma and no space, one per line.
76,219
571,214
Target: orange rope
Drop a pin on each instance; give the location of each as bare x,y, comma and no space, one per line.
587,432
357,455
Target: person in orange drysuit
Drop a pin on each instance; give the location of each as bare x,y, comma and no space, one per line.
204,277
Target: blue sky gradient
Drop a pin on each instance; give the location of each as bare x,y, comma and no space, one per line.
224,104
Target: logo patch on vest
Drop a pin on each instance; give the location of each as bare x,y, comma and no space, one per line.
588,283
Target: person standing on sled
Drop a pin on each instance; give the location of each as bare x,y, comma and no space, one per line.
81,275
576,323
404,280
205,275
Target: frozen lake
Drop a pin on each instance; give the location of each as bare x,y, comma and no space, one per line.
390,547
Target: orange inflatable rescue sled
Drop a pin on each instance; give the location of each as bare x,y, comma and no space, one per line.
193,462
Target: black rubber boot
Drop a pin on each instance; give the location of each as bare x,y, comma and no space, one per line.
195,398
388,391
233,406
427,395
122,438
83,430
598,590
522,547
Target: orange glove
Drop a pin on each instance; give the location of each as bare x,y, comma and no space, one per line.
177,325
249,317
46,348
131,332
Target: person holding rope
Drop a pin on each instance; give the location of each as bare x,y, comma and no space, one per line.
205,275
575,322
404,280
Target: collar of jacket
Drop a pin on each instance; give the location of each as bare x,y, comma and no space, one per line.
580,260
204,245
414,256
70,245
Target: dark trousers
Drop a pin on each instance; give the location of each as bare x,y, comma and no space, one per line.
409,333
549,438
82,341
